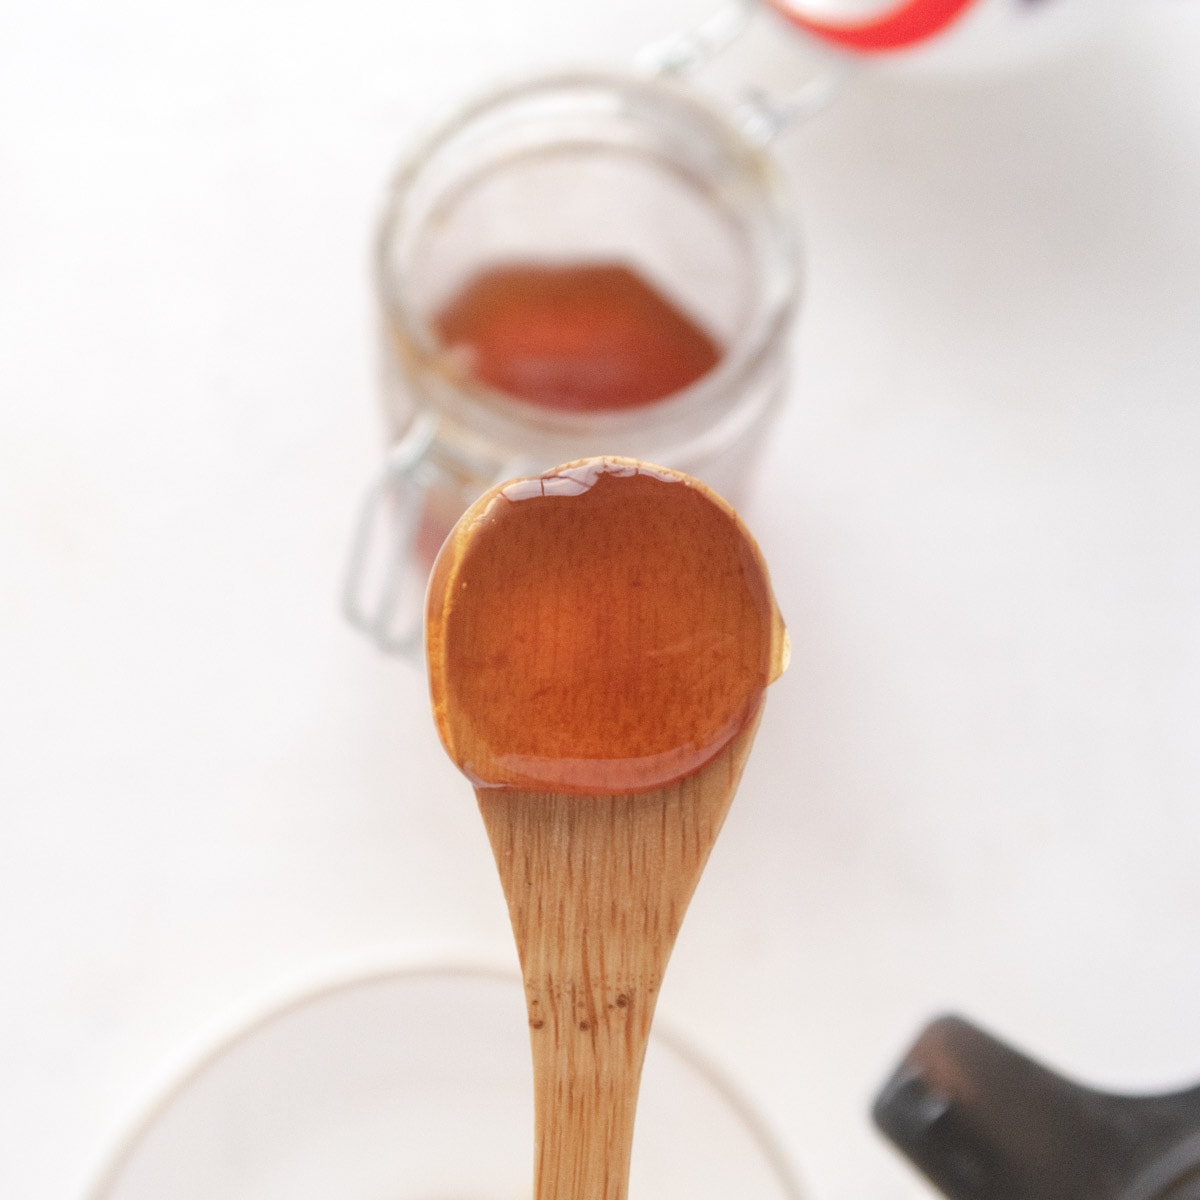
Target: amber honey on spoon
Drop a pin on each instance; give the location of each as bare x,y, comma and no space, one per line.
600,639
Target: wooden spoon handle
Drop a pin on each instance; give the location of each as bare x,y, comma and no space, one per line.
597,888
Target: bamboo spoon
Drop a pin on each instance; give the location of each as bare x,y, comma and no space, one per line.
600,640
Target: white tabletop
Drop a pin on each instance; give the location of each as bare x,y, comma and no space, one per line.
975,789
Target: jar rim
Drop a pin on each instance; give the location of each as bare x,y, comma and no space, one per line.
677,417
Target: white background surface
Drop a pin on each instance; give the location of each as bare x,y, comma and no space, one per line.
976,788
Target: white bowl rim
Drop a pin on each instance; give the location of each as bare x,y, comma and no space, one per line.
208,1046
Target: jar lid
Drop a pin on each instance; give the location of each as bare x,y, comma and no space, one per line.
889,26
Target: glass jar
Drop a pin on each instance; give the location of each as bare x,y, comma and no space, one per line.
636,170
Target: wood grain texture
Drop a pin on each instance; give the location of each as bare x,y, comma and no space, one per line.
597,889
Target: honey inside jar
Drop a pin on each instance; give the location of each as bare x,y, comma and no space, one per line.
607,627
586,337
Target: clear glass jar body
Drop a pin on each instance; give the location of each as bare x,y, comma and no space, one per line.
581,167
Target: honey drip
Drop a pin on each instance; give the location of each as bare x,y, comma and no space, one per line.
587,338
608,627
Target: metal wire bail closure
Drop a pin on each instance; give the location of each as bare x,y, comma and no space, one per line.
383,592
762,114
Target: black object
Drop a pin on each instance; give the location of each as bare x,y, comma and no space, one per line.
984,1122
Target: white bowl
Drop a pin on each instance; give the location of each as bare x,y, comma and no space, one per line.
414,1083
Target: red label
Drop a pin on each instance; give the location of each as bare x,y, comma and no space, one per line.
907,24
